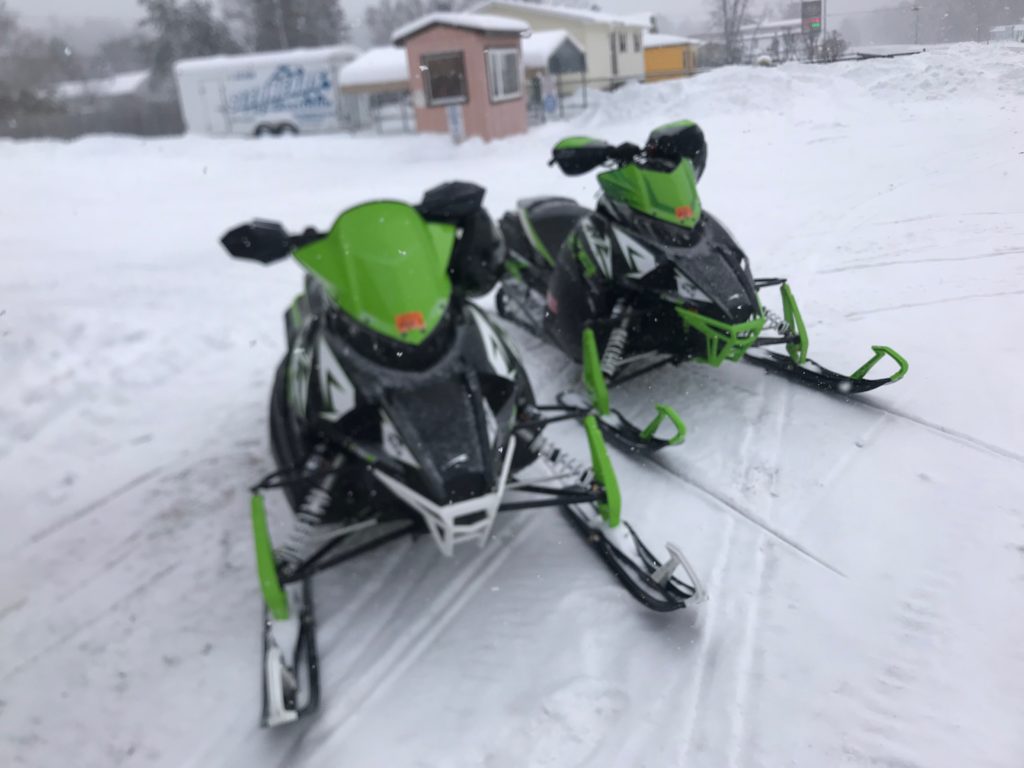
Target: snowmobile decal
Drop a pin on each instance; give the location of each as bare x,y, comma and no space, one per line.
600,247
639,259
300,369
393,444
687,290
495,347
337,394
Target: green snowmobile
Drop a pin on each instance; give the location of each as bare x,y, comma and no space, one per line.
649,278
400,409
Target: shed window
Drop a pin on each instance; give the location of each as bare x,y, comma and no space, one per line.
503,78
445,77
622,41
637,42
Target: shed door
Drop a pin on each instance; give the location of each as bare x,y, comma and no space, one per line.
214,107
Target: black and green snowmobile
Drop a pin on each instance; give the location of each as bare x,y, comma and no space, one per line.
649,278
400,409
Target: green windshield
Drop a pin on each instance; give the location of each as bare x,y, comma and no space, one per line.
670,196
386,268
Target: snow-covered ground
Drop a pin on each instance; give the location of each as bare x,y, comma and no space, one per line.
865,558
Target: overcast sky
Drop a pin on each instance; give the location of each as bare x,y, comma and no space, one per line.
38,12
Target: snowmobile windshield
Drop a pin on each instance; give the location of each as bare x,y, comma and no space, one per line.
669,195
386,268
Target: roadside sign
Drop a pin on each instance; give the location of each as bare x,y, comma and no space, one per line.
810,13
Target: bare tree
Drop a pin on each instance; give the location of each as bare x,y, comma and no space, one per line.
277,24
789,45
833,47
729,16
810,43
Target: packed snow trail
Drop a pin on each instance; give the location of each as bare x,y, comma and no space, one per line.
137,361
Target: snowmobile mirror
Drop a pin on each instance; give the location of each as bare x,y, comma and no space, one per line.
580,154
263,241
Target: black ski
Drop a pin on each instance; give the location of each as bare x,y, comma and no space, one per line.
647,579
813,375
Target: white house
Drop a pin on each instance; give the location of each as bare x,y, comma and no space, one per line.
613,45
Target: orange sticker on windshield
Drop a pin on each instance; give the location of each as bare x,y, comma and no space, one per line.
410,321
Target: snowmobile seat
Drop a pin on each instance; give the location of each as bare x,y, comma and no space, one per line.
551,219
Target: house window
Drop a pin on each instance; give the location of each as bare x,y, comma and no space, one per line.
503,78
622,42
445,78
637,42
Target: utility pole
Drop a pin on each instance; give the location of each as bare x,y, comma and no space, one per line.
917,18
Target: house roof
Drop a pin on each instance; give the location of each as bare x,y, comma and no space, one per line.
476,22
289,56
117,85
658,40
539,47
577,14
377,66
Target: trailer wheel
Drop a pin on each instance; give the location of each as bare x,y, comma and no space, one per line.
263,130
287,129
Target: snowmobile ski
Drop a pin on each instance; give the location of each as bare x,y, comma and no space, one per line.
819,377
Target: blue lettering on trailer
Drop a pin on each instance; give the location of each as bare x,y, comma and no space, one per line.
288,89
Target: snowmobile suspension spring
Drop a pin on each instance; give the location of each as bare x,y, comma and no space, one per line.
776,322
617,340
303,536
561,460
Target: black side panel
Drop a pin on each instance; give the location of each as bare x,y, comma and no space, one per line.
574,301
553,220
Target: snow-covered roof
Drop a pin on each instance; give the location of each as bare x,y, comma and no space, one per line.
474,21
579,14
118,85
377,66
773,25
658,40
289,56
539,47
645,19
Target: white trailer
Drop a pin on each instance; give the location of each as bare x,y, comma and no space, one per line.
256,94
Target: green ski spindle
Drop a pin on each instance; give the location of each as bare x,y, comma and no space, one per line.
791,314
593,378
266,567
604,474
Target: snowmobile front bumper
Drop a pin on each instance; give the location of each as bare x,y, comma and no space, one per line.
724,341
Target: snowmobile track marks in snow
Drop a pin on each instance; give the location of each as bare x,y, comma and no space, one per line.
415,639
746,514
914,305
947,432
78,514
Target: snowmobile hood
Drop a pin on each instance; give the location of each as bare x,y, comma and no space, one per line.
711,272
667,194
386,268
